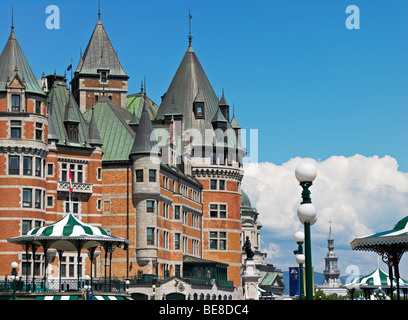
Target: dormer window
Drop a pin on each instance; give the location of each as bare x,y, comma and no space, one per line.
200,112
72,130
15,102
198,108
104,76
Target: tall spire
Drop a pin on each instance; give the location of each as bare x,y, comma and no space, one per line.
99,9
12,17
189,28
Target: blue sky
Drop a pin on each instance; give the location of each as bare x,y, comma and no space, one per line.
310,86
291,68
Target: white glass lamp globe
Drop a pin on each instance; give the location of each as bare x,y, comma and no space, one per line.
299,237
300,258
314,221
306,213
14,265
305,172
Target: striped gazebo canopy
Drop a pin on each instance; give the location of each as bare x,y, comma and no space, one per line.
69,233
375,279
398,236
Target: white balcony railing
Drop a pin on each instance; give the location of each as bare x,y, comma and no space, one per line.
78,187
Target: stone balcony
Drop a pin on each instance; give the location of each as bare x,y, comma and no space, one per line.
77,187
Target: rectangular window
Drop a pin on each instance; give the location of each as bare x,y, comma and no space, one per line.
139,175
38,167
177,212
26,226
150,206
49,201
27,193
27,164
150,236
38,131
177,241
213,211
213,240
152,175
37,199
72,129
103,76
221,184
223,211
79,173
14,165
15,126
218,240
64,172
38,107
177,270
213,184
218,211
223,240
50,169
99,173
15,102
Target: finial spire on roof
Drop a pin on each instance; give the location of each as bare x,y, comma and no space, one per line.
99,9
189,27
12,17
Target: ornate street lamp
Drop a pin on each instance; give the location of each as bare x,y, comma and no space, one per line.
13,277
300,259
306,173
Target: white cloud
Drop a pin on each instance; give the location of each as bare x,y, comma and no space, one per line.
361,195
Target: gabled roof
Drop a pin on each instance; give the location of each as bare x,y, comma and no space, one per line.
12,59
189,82
112,123
100,54
63,107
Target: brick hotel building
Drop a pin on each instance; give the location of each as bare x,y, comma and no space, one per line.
167,178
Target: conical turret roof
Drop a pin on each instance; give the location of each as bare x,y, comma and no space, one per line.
145,140
100,54
13,59
94,137
190,82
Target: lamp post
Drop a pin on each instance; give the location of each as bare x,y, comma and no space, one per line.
300,259
306,173
13,277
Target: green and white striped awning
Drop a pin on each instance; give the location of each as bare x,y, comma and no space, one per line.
108,298
377,278
58,297
66,233
397,236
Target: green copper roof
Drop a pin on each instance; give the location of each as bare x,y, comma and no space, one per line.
111,120
12,60
63,107
219,117
134,104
